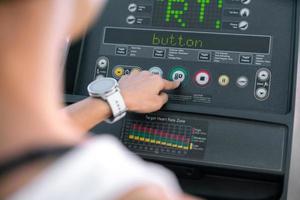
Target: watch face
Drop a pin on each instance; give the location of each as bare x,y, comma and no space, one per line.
102,86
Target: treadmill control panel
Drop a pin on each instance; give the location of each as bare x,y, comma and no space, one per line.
235,61
227,53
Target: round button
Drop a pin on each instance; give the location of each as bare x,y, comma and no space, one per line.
156,71
118,72
102,63
261,93
224,80
263,75
242,82
202,78
245,2
243,25
130,19
245,12
132,7
178,74
127,71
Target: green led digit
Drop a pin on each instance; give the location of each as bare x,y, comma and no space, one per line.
176,14
220,4
218,22
203,4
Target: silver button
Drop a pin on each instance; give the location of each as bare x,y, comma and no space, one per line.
131,19
261,93
263,75
245,2
156,70
242,82
132,7
102,63
245,12
243,25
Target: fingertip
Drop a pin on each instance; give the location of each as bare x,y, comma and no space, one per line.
177,83
171,85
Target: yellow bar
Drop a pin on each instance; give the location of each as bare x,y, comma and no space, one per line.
142,139
186,148
152,141
131,137
157,142
136,137
174,145
180,147
169,144
191,146
147,140
163,143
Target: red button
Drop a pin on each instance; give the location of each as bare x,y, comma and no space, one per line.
202,77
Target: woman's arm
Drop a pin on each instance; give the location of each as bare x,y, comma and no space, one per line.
142,93
88,113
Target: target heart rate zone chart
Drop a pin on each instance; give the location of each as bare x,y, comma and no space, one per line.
173,136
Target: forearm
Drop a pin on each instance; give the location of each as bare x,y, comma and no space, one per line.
88,113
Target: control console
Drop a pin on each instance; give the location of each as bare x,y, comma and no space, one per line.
227,53
233,110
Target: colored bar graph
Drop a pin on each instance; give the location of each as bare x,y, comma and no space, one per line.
149,135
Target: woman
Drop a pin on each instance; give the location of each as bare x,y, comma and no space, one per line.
33,117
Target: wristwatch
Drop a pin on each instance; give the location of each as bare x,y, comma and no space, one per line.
108,90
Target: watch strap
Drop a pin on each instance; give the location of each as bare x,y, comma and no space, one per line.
117,105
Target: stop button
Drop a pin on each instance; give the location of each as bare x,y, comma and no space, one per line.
202,78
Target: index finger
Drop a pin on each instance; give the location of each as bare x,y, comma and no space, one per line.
171,85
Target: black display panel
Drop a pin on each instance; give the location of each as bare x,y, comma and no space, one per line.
188,40
200,14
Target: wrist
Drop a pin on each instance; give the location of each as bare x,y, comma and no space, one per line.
128,101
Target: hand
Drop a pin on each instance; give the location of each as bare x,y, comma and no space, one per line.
142,91
153,193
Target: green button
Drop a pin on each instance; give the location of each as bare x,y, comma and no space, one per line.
178,74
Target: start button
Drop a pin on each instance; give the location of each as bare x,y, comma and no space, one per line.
178,74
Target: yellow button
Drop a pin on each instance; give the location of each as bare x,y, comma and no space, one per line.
224,80
118,72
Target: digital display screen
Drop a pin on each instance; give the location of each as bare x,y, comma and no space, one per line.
188,40
200,14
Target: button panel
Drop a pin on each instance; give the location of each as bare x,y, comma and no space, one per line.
202,78
262,84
